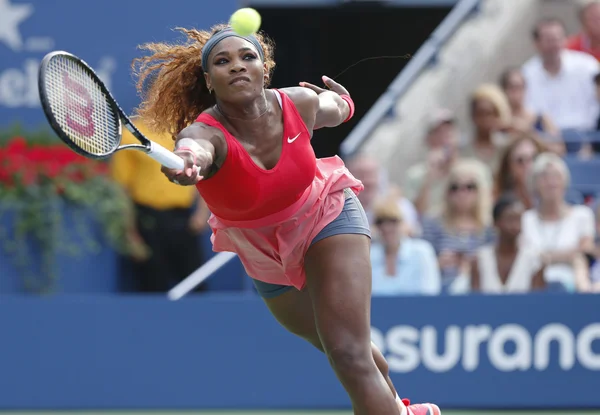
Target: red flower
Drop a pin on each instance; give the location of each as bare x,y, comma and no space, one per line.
16,146
53,169
65,156
27,163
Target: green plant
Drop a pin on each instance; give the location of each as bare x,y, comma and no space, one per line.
40,180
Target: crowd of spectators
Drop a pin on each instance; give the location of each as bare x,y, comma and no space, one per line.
494,209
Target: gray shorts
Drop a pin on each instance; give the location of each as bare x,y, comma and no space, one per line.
352,220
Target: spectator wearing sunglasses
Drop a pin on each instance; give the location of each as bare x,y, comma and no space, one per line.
491,119
515,164
464,225
401,265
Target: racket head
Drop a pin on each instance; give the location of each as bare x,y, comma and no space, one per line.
78,106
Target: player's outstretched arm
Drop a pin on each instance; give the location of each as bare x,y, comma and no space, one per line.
200,146
334,104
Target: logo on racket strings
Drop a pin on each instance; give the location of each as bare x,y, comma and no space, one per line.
80,107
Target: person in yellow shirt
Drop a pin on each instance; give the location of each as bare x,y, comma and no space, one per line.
168,218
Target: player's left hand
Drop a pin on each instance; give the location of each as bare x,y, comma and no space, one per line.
329,83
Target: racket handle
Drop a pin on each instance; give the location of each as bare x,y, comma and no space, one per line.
165,157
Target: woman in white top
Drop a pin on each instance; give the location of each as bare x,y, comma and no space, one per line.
560,233
505,267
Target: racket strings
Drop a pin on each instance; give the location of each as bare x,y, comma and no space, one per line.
80,107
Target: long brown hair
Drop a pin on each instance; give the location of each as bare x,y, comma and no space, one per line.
171,80
504,180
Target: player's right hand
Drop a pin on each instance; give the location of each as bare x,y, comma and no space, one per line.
189,176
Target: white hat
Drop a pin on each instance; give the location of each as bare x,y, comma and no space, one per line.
438,117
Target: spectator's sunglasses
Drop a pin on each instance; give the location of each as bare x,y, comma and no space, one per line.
522,160
381,221
456,187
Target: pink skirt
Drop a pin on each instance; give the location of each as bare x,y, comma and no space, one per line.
272,248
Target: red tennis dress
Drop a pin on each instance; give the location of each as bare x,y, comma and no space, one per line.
269,217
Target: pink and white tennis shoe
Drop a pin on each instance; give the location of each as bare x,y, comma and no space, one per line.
418,409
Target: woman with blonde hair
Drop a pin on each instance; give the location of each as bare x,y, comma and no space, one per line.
515,163
560,233
490,115
465,223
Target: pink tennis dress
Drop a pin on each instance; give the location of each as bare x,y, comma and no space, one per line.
269,217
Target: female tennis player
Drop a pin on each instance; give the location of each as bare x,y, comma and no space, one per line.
293,220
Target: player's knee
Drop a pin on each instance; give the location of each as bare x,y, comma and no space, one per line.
348,357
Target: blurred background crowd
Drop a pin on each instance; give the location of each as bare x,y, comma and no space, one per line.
508,205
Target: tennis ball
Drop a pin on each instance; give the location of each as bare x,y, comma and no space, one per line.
245,21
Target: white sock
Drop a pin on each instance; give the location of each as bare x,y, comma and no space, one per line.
403,410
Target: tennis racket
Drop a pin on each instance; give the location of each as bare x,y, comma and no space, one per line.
84,114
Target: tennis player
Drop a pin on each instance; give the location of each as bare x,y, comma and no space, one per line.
293,220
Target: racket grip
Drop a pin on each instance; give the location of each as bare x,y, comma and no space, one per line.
165,157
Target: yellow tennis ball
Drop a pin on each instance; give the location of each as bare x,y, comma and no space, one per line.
245,21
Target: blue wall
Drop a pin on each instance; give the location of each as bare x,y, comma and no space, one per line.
227,351
103,33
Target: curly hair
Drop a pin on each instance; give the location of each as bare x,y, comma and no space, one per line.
171,80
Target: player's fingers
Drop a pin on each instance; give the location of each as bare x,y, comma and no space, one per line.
334,86
315,88
184,179
189,160
196,177
170,173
